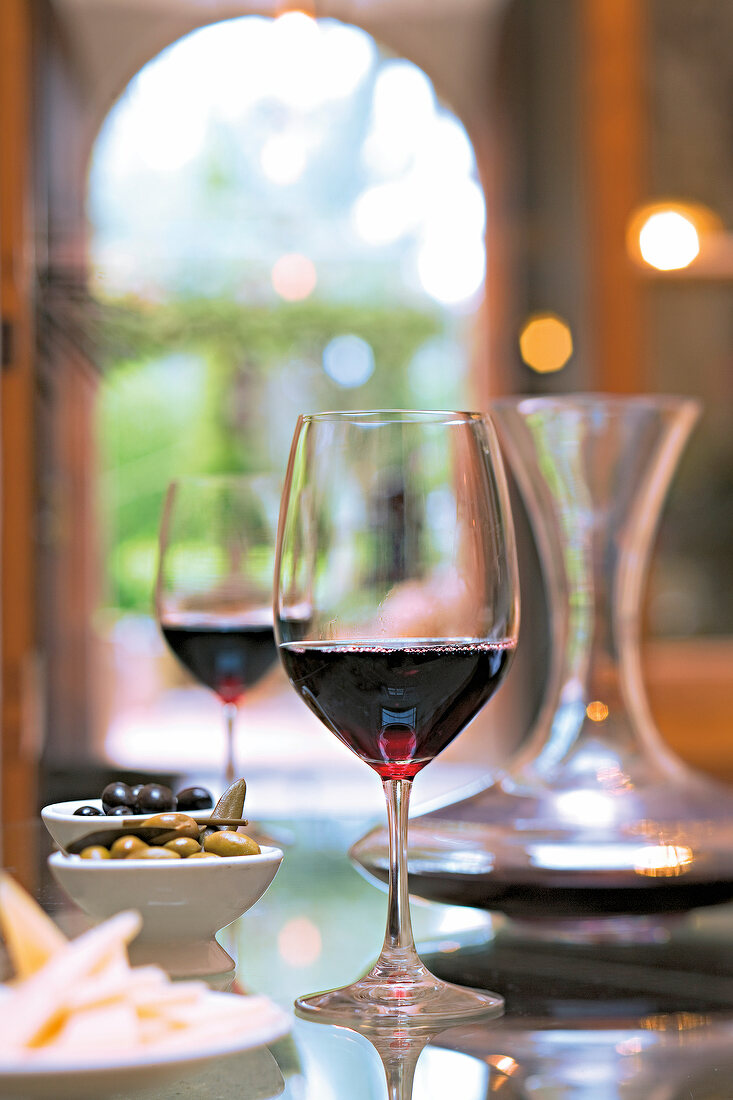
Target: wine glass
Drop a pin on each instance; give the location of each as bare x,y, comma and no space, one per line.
396,616
213,596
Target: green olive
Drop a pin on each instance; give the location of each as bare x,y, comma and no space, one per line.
126,846
204,855
229,843
185,846
94,851
231,803
180,824
154,853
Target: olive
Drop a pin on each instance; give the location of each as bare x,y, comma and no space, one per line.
231,803
180,824
135,789
228,843
209,830
154,797
120,811
126,846
204,855
116,794
195,798
88,811
154,853
94,851
184,845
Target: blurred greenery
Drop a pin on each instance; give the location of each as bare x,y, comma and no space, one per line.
199,385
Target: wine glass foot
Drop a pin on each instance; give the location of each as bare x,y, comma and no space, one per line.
424,1001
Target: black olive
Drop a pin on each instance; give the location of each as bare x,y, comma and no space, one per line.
88,811
155,798
120,811
195,798
116,794
135,789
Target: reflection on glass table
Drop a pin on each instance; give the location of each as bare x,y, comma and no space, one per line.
604,1021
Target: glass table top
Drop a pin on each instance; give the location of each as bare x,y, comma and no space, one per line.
628,1010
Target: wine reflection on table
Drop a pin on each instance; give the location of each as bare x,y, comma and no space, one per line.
417,1062
650,1020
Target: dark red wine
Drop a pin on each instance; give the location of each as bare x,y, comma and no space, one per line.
518,898
227,659
396,705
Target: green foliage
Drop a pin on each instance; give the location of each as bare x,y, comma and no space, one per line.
185,390
266,335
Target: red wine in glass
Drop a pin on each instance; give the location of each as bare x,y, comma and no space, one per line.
396,705
396,615
228,659
214,587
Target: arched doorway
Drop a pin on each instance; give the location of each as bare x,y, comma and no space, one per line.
284,218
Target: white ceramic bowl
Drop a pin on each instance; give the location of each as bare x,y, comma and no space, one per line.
183,902
65,828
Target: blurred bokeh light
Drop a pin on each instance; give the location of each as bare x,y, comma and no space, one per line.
348,360
363,157
670,234
668,240
545,342
294,277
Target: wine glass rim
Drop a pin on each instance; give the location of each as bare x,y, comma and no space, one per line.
610,401
378,417
224,478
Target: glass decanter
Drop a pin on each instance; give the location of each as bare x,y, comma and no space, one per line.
595,817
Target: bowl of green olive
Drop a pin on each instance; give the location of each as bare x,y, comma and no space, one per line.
187,883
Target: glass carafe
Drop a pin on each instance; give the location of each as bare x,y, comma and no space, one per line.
595,816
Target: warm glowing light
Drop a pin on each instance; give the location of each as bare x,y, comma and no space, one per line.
283,158
294,277
668,240
663,860
545,342
504,1063
675,1021
597,711
299,942
670,233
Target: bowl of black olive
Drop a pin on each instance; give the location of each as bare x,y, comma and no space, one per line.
122,806
189,871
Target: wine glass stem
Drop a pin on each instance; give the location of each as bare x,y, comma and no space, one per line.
398,936
230,718
399,1080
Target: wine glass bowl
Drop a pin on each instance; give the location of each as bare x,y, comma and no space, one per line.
396,615
214,586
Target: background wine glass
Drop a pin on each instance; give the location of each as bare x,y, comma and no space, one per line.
396,614
214,586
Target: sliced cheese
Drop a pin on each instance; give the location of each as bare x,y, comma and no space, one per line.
30,935
43,999
97,1032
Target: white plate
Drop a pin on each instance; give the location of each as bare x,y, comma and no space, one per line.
39,1076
